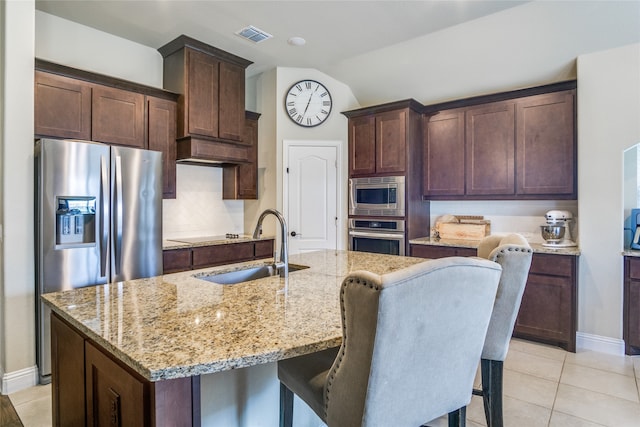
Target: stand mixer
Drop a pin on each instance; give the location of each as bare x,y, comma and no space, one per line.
557,232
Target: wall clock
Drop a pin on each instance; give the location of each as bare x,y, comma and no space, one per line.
308,103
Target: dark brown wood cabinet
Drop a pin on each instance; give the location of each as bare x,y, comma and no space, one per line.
490,147
631,305
377,144
520,147
434,252
67,381
211,116
240,182
118,117
549,303
183,259
62,107
546,145
362,146
91,388
76,104
114,396
174,260
162,137
548,309
444,154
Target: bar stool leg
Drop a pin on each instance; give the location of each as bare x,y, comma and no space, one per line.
286,406
491,371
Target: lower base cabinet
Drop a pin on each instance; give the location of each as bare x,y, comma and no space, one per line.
548,310
183,259
631,306
90,388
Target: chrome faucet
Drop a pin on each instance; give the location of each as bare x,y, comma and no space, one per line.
283,266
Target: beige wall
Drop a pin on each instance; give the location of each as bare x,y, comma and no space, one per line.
17,349
608,112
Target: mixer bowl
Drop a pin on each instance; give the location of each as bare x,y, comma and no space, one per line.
552,233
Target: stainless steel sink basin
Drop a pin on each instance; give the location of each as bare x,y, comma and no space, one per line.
247,274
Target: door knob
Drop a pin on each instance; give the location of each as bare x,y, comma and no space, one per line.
294,234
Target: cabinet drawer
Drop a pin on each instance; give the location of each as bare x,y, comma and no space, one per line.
554,265
264,249
176,260
208,256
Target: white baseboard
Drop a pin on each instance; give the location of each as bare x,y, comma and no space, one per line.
19,380
599,343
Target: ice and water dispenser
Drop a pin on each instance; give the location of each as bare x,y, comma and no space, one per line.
75,221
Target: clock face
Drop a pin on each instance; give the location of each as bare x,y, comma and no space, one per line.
308,103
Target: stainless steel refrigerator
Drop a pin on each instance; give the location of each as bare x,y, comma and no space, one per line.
98,220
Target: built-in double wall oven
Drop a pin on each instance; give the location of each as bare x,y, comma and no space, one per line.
369,199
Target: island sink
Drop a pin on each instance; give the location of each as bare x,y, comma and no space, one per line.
247,274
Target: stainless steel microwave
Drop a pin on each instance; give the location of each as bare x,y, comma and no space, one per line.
375,196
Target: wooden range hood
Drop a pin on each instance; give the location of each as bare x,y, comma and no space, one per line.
211,114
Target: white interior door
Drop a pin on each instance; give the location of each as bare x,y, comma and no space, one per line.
312,196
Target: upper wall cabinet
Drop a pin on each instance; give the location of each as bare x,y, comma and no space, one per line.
76,104
520,148
211,117
379,138
62,106
546,144
240,182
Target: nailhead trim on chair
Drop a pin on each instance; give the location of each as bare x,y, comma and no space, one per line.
344,339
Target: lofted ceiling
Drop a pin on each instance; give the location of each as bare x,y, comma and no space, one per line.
334,30
385,50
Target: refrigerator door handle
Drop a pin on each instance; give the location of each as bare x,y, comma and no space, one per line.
104,208
117,216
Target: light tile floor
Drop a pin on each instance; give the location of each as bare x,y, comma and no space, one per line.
543,386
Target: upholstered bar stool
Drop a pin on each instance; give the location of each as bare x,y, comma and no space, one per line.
514,254
410,348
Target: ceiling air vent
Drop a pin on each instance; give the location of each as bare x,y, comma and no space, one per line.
254,34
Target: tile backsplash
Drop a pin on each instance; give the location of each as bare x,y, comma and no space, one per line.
199,209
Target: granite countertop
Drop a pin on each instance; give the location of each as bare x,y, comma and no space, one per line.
537,247
192,242
177,325
631,252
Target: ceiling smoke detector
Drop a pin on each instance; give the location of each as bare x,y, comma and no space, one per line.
254,34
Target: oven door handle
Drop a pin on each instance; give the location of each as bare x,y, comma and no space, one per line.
397,236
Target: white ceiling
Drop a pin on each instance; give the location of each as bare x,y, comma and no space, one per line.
334,30
385,50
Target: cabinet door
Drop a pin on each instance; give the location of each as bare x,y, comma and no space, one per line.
174,260
231,116
202,94
362,146
633,317
548,307
546,144
67,375
115,397
62,107
443,164
162,137
391,141
118,117
241,182
490,133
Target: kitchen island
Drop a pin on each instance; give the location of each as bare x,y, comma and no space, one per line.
163,334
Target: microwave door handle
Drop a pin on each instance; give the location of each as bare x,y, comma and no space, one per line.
104,208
